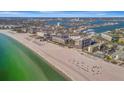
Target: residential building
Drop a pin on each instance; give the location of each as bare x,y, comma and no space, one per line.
83,42
106,37
60,40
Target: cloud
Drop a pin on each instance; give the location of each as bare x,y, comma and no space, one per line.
102,14
6,12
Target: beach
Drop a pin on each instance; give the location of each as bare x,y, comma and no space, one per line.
19,63
70,62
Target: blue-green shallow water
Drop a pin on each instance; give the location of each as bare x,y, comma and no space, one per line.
20,63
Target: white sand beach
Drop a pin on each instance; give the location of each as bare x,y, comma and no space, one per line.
69,61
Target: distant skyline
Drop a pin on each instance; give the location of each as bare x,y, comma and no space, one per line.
61,13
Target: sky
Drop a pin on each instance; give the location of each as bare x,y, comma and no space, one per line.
61,13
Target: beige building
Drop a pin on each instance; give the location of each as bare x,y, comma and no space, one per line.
92,47
106,37
83,42
40,34
121,40
60,40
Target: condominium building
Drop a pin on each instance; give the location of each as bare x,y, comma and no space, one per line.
106,37
60,40
83,42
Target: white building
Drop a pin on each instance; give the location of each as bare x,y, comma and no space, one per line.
83,42
40,34
106,37
58,23
75,37
60,40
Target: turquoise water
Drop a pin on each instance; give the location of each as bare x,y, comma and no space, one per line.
20,63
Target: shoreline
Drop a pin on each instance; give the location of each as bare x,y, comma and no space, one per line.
68,66
54,67
51,65
42,60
